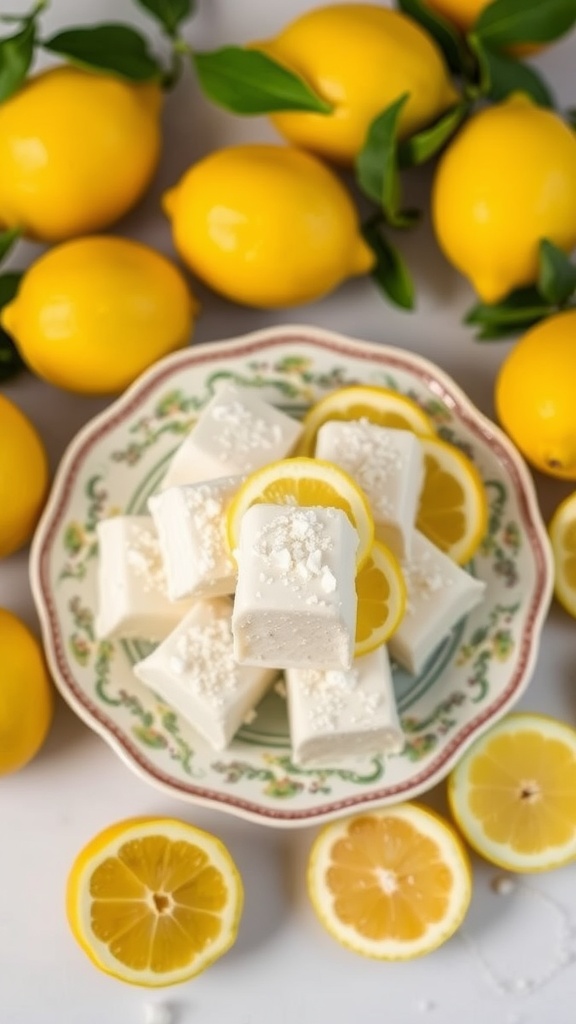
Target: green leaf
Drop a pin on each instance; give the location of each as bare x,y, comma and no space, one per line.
390,272
117,49
7,240
376,165
11,361
250,82
505,22
443,32
170,13
16,53
502,75
521,308
427,142
556,274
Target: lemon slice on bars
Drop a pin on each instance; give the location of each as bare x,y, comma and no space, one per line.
304,482
381,592
382,406
453,510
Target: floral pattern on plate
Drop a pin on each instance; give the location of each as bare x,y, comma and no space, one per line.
118,460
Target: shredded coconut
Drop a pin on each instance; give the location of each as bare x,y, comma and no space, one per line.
204,660
372,456
241,432
206,508
424,579
144,559
293,548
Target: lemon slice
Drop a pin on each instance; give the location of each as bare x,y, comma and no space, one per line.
562,532
154,901
453,511
305,482
381,406
381,594
390,884
513,794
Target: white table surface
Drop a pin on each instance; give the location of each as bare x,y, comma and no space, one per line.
512,960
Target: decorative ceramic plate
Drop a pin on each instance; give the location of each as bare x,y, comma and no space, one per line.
118,460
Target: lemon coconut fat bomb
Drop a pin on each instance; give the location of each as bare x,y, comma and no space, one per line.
227,622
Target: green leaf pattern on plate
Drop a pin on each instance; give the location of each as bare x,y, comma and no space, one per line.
156,728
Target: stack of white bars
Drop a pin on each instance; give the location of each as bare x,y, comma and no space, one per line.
286,601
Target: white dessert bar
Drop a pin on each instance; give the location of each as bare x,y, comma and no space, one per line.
191,526
194,671
237,432
439,594
132,599
295,604
335,714
388,465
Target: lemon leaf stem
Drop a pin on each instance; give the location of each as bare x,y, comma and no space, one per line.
250,82
115,48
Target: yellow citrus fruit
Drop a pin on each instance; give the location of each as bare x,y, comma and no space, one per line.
93,313
77,151
506,181
381,592
453,509
154,901
513,793
391,884
23,477
534,395
26,699
382,406
562,531
305,482
360,58
267,226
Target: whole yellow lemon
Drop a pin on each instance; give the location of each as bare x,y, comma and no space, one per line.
507,181
26,699
535,395
360,58
77,151
93,313
23,477
266,226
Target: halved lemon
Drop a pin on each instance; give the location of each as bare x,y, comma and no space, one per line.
381,406
381,592
562,532
453,510
154,901
305,482
513,794
391,884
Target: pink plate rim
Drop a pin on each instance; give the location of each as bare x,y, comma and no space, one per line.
441,386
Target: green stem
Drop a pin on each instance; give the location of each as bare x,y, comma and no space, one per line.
180,50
